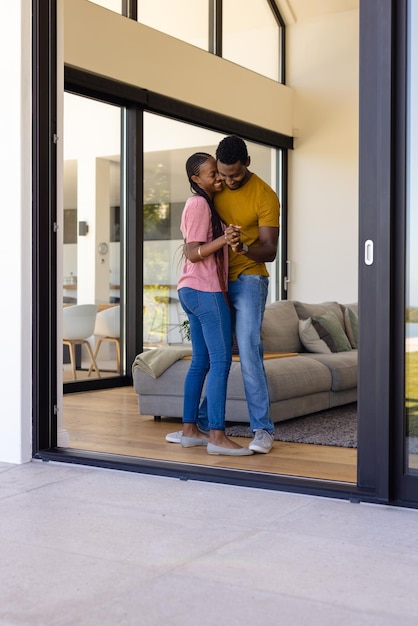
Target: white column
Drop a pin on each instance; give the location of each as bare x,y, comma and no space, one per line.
102,276
93,180
16,235
86,212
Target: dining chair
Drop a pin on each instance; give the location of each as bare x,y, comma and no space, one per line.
78,324
107,328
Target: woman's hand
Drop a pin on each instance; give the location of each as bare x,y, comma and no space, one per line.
233,236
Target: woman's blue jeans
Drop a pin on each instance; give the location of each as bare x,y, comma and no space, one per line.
211,336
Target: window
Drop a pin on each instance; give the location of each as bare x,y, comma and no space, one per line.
411,301
188,21
91,268
113,5
249,34
167,145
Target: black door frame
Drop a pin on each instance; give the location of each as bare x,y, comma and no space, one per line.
375,212
45,448
382,191
44,216
377,285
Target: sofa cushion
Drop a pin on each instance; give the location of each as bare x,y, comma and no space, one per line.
330,330
288,377
280,329
305,310
342,367
351,324
310,338
295,377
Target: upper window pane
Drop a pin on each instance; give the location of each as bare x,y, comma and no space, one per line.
188,21
113,5
251,36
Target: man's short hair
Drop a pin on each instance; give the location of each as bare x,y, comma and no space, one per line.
232,149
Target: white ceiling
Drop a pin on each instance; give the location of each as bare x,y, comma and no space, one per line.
294,11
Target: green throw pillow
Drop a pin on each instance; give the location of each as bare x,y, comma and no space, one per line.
310,338
351,326
330,330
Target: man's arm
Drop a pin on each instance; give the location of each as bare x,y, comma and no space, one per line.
267,249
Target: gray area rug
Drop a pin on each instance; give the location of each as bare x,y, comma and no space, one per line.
334,427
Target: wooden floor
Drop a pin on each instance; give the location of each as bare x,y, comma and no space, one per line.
108,421
107,370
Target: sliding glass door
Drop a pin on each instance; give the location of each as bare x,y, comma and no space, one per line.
406,433
388,367
93,239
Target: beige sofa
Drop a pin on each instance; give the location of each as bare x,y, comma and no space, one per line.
320,374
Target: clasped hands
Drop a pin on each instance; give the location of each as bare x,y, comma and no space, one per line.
233,236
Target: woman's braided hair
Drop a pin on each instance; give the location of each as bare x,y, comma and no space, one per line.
193,164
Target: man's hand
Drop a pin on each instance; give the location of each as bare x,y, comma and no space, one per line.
233,236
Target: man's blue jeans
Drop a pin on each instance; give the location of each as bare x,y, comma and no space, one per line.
247,296
211,335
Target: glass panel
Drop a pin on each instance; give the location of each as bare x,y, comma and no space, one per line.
251,36
188,21
113,5
411,369
92,237
167,145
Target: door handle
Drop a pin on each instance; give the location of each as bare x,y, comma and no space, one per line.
368,252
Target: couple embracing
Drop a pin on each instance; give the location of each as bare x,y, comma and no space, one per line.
230,227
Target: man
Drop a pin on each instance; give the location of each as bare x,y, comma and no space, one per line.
248,203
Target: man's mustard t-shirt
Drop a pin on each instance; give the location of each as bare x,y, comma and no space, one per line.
253,205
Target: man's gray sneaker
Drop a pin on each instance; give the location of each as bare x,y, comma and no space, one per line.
262,442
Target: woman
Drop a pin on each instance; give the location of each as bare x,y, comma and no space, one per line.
202,293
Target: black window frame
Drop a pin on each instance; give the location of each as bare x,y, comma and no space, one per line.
44,215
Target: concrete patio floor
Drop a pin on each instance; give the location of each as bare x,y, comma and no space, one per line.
90,546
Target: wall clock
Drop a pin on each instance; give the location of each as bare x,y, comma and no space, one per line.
103,248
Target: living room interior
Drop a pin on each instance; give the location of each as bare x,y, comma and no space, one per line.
321,231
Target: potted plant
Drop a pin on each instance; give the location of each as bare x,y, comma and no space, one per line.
185,330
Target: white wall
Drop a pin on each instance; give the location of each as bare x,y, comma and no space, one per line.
323,168
15,234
